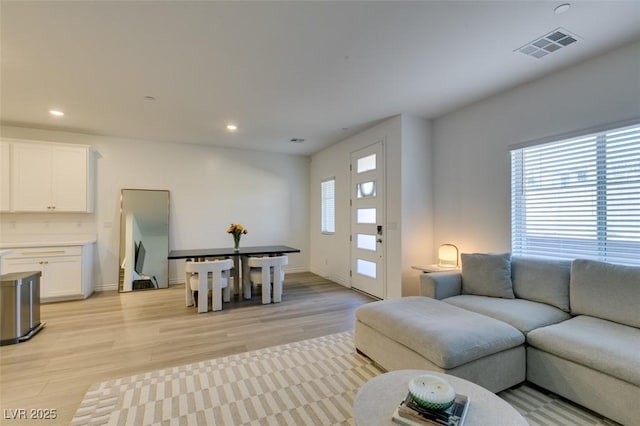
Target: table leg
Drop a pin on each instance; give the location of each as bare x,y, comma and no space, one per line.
236,274
246,280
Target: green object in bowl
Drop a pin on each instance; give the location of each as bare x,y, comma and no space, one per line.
431,392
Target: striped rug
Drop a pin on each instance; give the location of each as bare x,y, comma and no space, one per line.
312,382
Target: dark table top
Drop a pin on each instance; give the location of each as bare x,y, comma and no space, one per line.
229,251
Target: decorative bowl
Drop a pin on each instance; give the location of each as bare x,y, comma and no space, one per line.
431,392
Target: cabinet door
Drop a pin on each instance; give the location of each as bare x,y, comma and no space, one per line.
23,265
69,179
5,177
31,177
63,277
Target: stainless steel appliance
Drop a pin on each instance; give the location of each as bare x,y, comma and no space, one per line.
19,306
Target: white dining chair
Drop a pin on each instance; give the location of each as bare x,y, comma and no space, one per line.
268,272
197,279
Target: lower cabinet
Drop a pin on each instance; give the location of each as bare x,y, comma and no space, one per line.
66,270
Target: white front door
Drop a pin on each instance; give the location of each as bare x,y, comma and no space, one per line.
367,220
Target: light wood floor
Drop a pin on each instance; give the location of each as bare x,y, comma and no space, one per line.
113,335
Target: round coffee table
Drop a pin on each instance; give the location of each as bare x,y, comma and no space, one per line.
378,398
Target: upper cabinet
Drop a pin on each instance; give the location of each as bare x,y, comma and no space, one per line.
49,177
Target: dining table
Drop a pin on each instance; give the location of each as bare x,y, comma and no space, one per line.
237,254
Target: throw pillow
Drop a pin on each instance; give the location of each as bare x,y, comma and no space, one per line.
606,291
487,275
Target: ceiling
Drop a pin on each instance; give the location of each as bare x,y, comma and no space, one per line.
320,71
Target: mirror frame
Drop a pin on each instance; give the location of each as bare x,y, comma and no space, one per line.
122,267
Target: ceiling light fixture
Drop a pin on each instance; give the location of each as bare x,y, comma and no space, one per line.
232,127
56,113
562,8
297,140
149,98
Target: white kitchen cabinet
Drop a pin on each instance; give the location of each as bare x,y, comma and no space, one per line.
51,177
66,270
5,177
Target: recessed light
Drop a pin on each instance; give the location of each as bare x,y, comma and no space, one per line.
56,112
562,8
149,98
232,127
297,140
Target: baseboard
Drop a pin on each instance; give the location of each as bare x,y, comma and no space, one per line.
342,280
107,287
297,270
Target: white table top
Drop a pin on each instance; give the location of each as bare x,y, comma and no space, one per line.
378,398
435,268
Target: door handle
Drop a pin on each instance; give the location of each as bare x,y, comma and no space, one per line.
379,240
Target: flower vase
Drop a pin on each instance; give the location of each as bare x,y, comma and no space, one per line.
236,242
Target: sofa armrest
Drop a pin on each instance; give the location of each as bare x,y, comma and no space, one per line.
439,285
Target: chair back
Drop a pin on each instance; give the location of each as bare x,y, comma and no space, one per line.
201,283
208,266
261,262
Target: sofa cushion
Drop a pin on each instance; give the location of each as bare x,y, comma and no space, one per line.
542,280
606,291
602,345
524,315
487,274
442,333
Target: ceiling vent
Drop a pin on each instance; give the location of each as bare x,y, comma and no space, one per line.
542,46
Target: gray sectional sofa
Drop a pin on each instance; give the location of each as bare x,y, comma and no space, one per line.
570,327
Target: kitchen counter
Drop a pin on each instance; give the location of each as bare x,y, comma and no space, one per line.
66,266
13,245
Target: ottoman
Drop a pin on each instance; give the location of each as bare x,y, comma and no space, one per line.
423,333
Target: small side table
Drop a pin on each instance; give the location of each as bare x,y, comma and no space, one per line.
376,401
434,268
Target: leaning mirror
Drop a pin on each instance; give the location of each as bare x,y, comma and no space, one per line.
144,239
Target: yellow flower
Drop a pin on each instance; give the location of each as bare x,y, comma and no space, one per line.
237,229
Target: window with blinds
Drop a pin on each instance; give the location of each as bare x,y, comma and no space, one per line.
578,197
328,206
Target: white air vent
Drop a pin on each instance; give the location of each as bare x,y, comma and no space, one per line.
549,43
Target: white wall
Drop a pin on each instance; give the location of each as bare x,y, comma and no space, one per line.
331,254
209,188
408,214
417,201
471,146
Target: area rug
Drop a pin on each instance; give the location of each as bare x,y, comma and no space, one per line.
311,382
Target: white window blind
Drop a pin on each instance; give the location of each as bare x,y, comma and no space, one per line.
328,206
578,198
